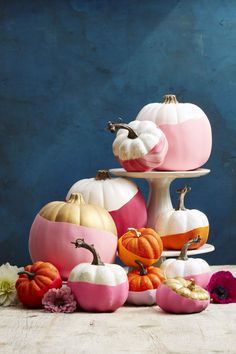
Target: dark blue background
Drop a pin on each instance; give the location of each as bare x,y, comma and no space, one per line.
67,67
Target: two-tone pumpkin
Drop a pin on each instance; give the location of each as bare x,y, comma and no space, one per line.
187,129
57,223
120,196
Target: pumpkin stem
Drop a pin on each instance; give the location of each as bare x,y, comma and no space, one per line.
102,175
29,274
113,126
170,99
137,233
182,192
76,198
142,270
183,254
191,285
79,243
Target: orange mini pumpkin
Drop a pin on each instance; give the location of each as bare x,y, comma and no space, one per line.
143,283
143,244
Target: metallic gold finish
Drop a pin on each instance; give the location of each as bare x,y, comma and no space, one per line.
187,288
75,211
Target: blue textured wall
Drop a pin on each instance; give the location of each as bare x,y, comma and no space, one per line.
66,67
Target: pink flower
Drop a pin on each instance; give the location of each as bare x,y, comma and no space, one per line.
59,300
222,287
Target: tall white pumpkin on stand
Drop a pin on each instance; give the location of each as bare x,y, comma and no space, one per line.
120,196
187,130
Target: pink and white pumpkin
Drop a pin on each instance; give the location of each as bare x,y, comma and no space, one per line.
120,196
188,268
178,295
59,222
97,286
139,146
187,130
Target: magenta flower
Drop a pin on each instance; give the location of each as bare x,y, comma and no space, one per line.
59,300
222,287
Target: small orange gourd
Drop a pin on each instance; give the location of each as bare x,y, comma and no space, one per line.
143,244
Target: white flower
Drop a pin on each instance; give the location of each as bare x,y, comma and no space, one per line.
8,278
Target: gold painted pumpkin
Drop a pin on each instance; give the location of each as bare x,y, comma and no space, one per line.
58,223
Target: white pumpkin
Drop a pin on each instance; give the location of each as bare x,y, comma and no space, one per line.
120,196
188,268
179,225
139,146
98,286
187,130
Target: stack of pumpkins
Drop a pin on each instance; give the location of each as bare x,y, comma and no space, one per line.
102,213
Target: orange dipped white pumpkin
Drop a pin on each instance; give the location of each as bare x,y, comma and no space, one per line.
178,226
144,245
139,146
57,223
119,196
187,130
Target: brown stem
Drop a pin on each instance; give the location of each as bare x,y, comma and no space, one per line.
29,274
170,99
76,198
137,233
183,254
102,175
113,126
191,285
79,243
182,192
142,270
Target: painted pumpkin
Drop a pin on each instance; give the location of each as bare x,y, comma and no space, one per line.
58,223
119,196
178,295
139,146
34,281
178,226
143,283
188,268
143,244
187,130
97,286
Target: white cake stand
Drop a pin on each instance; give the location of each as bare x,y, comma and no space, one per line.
159,199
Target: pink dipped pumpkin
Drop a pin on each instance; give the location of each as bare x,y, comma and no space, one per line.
58,223
98,287
187,130
178,295
139,146
120,196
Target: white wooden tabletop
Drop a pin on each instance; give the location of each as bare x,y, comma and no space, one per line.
128,330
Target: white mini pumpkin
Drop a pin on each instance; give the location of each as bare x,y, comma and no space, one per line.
188,268
139,146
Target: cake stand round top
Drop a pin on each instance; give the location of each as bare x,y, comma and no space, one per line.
160,174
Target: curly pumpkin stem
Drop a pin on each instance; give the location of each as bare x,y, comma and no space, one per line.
183,254
114,126
79,243
170,99
182,192
137,233
29,274
102,175
142,270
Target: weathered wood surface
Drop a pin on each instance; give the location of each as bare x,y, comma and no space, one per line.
129,330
